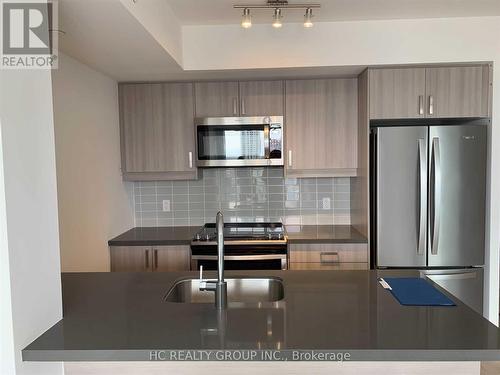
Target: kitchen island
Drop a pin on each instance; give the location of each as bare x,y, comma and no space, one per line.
346,315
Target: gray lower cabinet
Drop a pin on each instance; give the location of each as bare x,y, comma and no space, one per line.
130,258
430,92
328,256
157,131
171,258
321,125
150,258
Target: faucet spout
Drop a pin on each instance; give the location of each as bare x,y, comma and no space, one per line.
219,286
219,223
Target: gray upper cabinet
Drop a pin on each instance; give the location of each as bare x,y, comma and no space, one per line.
437,92
397,93
259,98
458,91
217,99
157,131
321,127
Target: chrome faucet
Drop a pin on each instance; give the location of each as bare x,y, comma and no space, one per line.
218,286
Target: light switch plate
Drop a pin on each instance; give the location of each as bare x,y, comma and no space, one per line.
326,203
166,205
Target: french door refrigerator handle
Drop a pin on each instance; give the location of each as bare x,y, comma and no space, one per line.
422,196
436,187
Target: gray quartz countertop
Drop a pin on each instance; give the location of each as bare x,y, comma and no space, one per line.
305,234
150,236
123,317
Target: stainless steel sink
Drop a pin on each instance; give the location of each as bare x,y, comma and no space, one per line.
239,290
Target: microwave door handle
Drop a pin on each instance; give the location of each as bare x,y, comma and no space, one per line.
267,151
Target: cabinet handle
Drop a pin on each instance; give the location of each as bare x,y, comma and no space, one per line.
235,106
190,156
329,253
146,256
289,158
420,104
155,267
431,105
243,110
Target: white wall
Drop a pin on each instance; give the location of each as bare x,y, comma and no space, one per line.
29,241
367,43
94,203
160,21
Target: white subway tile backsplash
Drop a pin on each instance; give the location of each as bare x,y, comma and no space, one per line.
243,194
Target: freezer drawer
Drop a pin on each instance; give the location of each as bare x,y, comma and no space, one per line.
465,284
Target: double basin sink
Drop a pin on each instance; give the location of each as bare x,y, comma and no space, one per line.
245,290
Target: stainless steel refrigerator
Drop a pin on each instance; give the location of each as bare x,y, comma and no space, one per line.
428,203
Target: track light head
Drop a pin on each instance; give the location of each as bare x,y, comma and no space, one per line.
246,20
277,18
308,18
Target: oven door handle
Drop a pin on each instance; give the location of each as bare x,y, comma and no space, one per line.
241,257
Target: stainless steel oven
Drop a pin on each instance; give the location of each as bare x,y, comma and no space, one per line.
239,141
247,246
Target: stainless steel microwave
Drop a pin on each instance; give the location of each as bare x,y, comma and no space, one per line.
239,141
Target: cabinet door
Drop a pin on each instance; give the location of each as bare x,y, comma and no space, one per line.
137,128
157,131
173,115
171,258
458,91
215,99
321,127
397,93
130,258
259,98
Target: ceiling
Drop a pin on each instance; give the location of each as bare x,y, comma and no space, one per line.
105,35
218,12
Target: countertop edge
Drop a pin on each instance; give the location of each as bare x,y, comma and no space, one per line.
148,242
357,355
307,237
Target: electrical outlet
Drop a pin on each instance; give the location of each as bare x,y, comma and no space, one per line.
166,205
326,203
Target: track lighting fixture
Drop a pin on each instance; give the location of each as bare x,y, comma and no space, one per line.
277,6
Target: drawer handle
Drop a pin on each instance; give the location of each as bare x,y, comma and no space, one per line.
146,256
334,254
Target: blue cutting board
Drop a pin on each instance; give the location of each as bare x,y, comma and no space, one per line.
415,291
